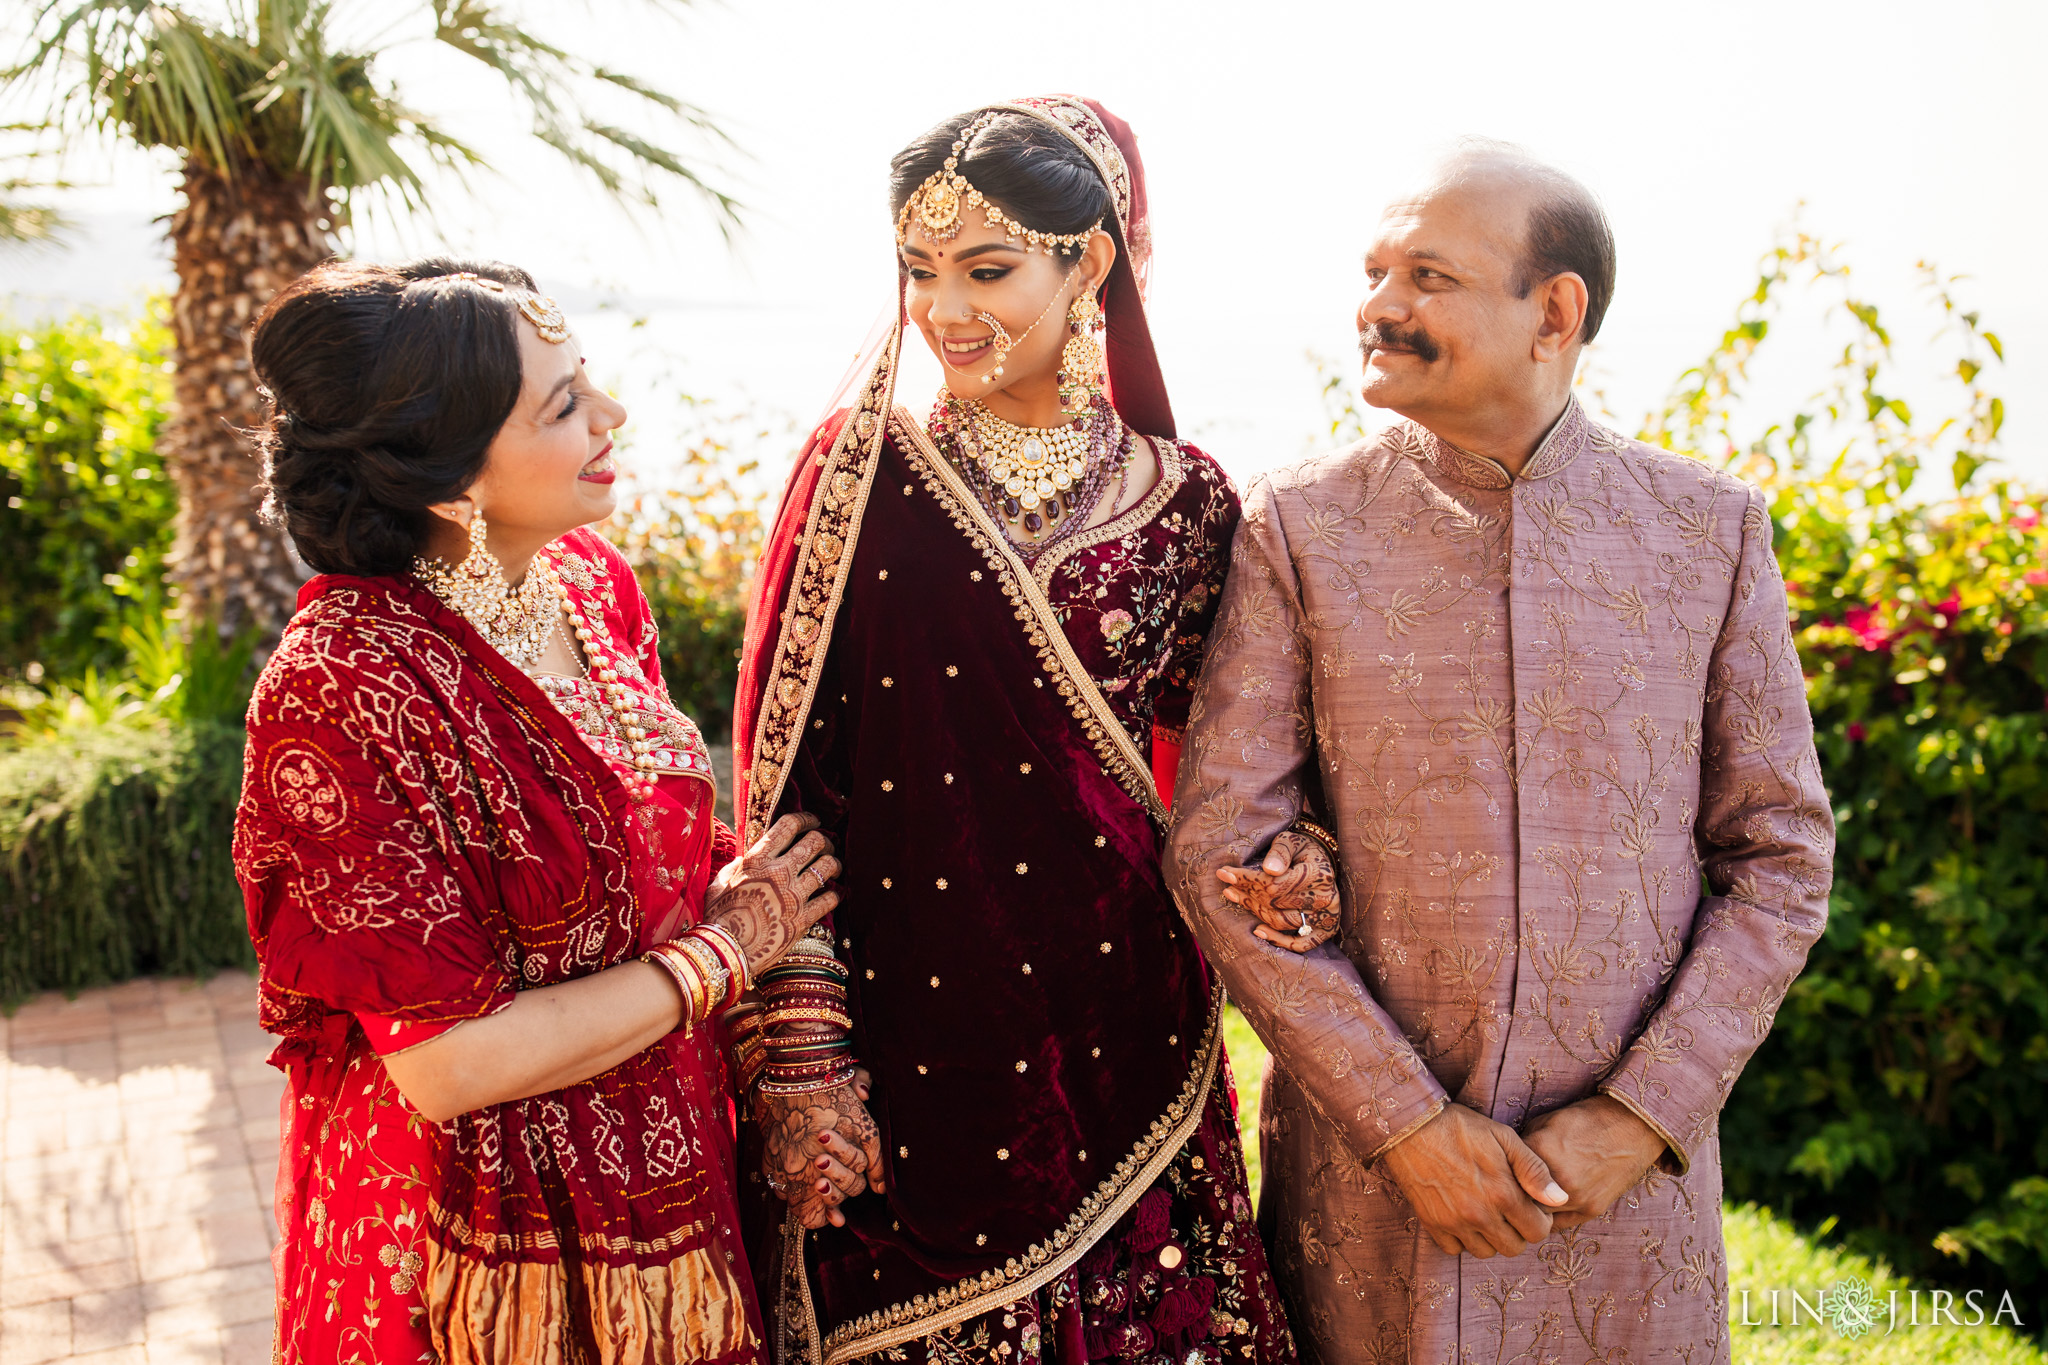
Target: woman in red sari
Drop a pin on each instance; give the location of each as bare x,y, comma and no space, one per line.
477,848
971,658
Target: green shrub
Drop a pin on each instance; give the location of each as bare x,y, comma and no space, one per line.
117,801
87,507
114,856
693,547
1904,1089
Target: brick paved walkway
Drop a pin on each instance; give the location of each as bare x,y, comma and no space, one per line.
138,1146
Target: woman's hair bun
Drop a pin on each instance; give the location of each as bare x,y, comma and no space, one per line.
386,386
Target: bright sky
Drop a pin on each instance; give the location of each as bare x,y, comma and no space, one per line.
1272,134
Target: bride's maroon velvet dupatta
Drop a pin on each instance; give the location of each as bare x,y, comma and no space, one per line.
422,835
1041,1030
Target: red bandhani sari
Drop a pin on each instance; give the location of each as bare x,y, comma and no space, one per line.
422,834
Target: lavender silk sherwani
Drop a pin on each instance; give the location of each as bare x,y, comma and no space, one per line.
1536,712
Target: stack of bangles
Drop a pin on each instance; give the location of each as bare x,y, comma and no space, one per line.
804,1032
708,968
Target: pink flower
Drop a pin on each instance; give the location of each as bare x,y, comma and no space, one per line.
1865,625
2026,519
1856,732
1116,624
2037,577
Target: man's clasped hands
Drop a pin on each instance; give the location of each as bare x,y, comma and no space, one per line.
1477,1186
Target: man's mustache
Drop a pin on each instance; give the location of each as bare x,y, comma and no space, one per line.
1375,336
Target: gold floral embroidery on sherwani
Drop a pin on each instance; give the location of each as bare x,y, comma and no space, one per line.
1537,711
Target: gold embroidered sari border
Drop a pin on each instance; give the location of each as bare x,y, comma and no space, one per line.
924,1314
831,529
1113,744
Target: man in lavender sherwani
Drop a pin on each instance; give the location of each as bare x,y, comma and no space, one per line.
1536,683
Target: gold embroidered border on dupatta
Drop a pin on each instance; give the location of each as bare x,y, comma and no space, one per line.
1039,1266
1114,747
817,583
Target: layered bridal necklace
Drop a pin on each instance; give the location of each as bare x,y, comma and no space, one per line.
1034,476
520,622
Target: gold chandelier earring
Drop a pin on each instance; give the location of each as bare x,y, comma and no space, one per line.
479,580
1082,361
517,622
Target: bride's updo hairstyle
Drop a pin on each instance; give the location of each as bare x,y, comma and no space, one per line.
1033,172
386,386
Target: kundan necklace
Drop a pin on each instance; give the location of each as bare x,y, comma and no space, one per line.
520,623
1053,471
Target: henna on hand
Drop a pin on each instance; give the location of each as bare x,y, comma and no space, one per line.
774,892
1294,885
821,1149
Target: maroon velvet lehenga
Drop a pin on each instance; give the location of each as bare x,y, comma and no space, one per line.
978,734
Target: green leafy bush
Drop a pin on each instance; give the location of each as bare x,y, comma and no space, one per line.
115,847
693,547
85,507
1904,1089
117,799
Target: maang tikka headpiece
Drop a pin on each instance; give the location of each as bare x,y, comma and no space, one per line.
540,310
939,204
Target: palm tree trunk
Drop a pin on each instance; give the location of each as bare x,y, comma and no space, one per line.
236,242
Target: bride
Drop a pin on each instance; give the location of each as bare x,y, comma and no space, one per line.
971,659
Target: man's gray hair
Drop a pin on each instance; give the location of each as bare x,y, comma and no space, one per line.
1568,230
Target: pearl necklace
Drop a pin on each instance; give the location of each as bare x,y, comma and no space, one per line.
623,702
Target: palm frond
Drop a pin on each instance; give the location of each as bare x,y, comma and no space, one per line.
546,79
149,71
29,222
267,84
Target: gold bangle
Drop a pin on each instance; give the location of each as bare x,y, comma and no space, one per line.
1302,825
683,970
722,941
717,980
837,1018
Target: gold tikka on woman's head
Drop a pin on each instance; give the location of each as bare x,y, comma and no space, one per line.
940,204
540,310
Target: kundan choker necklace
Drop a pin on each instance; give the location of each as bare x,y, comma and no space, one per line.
1053,472
518,622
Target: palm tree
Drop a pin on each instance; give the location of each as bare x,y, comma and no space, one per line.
282,125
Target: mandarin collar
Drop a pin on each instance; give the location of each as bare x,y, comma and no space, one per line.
1559,447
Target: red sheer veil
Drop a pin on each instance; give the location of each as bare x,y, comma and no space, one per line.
1136,388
